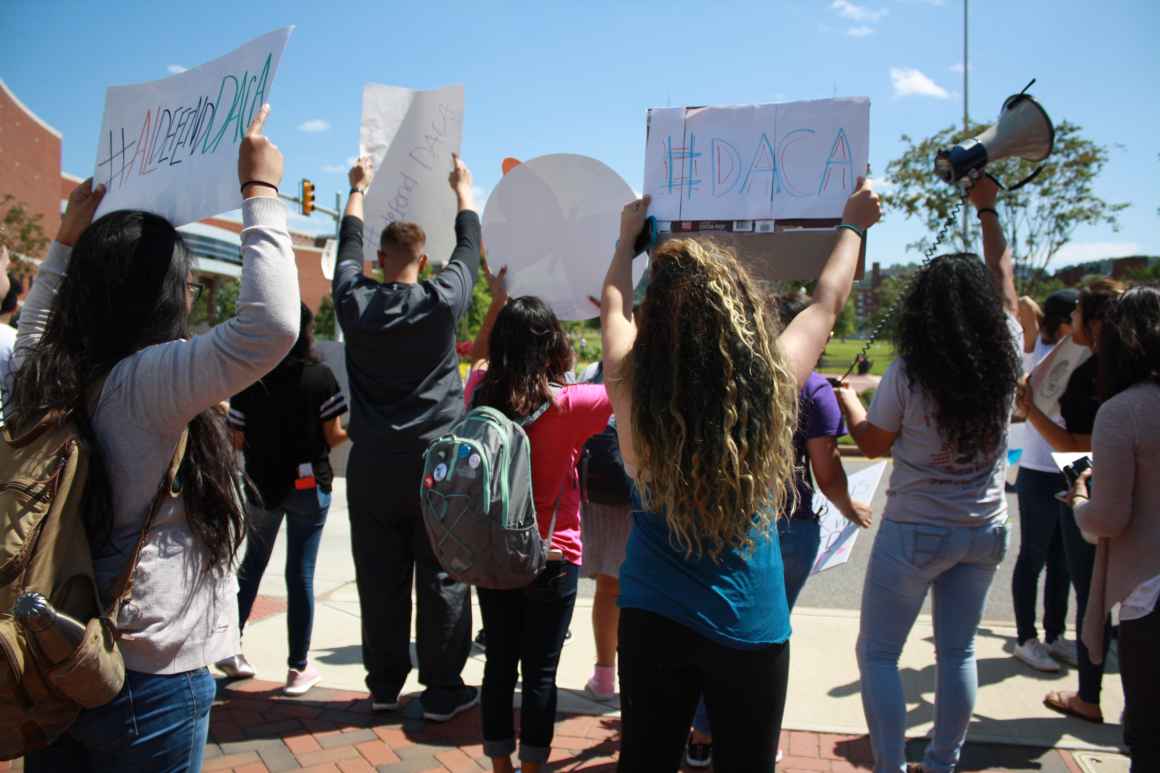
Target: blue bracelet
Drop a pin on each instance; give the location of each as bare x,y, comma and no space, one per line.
855,229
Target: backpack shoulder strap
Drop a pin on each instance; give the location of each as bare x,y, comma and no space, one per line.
169,487
532,417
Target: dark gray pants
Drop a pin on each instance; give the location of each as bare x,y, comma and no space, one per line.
390,546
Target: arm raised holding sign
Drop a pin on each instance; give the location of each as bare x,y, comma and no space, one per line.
111,305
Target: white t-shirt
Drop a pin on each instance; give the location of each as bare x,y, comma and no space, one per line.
7,344
1037,451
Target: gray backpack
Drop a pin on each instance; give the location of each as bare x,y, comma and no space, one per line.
476,498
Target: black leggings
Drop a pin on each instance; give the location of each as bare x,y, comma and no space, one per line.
1140,673
665,667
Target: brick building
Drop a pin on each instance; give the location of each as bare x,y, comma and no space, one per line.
30,170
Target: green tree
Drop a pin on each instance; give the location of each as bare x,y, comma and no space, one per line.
225,298
1039,219
21,232
846,322
889,294
325,321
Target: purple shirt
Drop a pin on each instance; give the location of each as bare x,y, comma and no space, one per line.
819,416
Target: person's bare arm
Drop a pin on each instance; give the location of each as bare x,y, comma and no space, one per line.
997,254
830,475
871,439
1058,437
617,327
499,298
1030,319
805,338
360,177
334,432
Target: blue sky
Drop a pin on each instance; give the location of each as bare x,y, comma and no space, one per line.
578,77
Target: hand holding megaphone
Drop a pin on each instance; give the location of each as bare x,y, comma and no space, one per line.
1023,130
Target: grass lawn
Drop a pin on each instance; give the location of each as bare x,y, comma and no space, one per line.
839,354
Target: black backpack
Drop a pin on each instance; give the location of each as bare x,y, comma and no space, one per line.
602,476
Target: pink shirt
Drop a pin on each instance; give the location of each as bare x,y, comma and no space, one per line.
578,412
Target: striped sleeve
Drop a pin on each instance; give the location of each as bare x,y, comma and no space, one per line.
334,406
236,420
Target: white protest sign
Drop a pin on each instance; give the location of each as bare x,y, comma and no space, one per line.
171,146
329,258
839,534
554,221
797,160
1049,378
411,136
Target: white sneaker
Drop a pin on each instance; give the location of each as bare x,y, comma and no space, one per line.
1064,650
236,667
1035,654
299,682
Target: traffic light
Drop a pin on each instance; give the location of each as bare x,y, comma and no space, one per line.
307,197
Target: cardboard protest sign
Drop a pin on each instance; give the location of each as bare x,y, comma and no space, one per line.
411,136
1049,378
797,160
554,221
171,146
839,534
767,181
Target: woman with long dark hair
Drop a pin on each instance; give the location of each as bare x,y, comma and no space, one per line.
942,411
706,397
287,423
1123,513
1078,406
110,307
525,359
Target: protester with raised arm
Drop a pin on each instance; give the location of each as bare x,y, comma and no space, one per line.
405,391
942,411
111,302
706,396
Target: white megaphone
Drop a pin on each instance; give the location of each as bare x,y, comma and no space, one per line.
1023,130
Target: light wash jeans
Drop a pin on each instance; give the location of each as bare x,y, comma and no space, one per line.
907,560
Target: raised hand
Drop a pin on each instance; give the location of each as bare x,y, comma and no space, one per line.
984,192
82,203
863,209
361,174
632,219
496,283
259,160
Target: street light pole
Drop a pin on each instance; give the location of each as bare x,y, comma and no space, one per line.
966,112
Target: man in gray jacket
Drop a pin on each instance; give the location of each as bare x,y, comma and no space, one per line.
405,391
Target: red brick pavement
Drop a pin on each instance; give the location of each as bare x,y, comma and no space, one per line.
255,729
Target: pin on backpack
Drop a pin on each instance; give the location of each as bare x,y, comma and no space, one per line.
476,498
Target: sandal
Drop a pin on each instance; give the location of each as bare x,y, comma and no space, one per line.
1067,703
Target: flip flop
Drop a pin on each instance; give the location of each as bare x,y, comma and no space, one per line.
1063,703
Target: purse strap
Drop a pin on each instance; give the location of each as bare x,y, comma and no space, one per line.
170,488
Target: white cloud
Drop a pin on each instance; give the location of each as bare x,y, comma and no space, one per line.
858,12
176,69
1082,252
314,125
860,32
908,81
334,168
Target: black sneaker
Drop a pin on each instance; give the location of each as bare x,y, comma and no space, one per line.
698,755
455,703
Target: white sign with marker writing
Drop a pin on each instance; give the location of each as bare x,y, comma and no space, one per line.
796,160
171,146
839,534
411,136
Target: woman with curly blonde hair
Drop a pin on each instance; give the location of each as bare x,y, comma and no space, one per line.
706,393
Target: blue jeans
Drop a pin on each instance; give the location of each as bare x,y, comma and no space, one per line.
158,723
1081,560
525,631
1040,544
305,513
800,540
907,560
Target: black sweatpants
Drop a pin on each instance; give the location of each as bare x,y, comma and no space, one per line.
665,667
391,550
